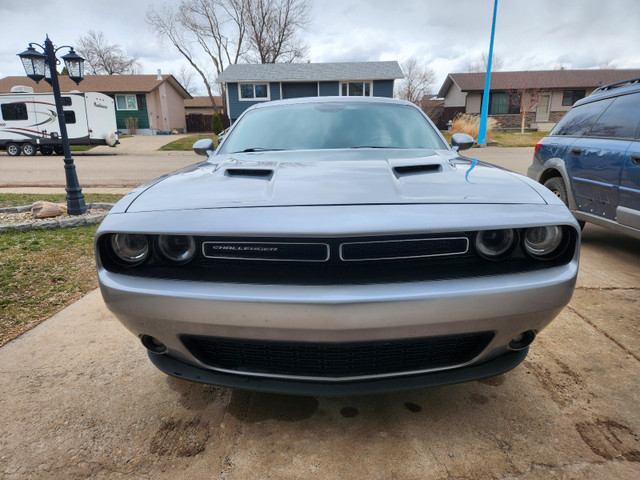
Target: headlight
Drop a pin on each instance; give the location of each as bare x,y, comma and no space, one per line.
177,248
542,242
496,244
131,248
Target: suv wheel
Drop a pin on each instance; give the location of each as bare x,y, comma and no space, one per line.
558,187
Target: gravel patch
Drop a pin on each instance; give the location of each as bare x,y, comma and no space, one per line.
20,218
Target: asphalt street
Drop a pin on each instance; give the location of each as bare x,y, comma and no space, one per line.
79,398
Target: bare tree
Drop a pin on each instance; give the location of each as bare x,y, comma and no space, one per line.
185,75
417,82
528,96
480,65
273,27
212,34
610,65
103,58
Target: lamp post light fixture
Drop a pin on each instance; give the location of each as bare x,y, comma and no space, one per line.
43,65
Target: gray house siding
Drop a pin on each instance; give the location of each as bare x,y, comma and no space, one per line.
329,89
298,90
275,90
237,107
383,88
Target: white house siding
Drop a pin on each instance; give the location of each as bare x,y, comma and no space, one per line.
455,97
474,102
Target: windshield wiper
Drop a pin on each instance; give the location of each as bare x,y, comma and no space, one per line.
259,149
372,146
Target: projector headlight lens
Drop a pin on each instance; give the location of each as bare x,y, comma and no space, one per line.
130,248
542,242
177,248
496,244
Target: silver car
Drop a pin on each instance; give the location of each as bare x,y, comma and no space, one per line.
337,246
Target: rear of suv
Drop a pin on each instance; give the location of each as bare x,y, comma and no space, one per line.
591,158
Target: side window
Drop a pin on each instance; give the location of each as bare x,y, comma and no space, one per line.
578,120
66,101
69,117
14,111
620,120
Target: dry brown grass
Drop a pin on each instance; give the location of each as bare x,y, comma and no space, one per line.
469,124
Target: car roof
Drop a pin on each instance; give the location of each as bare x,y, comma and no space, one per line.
335,99
613,90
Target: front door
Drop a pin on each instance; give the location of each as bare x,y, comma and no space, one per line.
542,112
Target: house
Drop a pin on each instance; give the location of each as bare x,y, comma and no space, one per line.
434,108
156,101
546,95
248,84
200,110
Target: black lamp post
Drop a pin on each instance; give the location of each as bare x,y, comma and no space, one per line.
43,65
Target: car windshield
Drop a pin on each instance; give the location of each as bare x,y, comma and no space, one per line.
332,125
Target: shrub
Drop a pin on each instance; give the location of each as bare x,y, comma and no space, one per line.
216,124
132,125
469,124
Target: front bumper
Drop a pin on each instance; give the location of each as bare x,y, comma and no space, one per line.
506,305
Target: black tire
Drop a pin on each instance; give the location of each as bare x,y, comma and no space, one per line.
46,150
559,188
13,149
29,149
58,149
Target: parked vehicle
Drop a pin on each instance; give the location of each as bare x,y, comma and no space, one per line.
337,245
29,122
591,158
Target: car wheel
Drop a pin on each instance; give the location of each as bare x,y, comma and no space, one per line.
46,150
558,187
58,149
13,149
29,149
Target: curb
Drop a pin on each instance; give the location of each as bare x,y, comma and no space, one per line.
52,224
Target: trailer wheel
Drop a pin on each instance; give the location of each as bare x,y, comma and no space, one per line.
46,150
13,149
29,149
58,149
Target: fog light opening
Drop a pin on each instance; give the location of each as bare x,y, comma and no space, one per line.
522,341
153,344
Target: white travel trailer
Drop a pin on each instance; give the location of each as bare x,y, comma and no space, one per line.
29,122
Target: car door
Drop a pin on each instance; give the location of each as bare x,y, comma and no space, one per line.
601,155
629,209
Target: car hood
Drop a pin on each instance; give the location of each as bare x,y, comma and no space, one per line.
345,177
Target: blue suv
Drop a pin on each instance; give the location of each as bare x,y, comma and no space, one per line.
591,158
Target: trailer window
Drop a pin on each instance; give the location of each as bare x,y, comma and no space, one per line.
66,101
69,117
14,111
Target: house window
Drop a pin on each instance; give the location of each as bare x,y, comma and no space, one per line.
503,103
14,111
126,102
355,89
253,91
569,97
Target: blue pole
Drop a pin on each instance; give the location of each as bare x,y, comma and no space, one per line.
482,130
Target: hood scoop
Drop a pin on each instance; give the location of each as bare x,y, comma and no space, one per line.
264,173
404,170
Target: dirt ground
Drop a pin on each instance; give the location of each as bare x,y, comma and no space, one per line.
79,399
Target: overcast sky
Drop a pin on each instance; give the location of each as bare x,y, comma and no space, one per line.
444,34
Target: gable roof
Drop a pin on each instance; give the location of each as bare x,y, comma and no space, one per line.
537,79
98,83
202,102
311,72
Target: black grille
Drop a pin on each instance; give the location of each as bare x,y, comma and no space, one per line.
403,249
334,360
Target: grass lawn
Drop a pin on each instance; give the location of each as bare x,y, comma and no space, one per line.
43,271
511,139
186,143
18,199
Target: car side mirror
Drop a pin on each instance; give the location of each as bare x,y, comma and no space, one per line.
461,141
204,147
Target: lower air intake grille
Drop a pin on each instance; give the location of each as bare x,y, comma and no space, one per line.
337,359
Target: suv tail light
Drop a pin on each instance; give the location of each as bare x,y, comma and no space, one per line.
538,144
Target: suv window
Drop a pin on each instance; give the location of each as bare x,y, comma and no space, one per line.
579,119
620,120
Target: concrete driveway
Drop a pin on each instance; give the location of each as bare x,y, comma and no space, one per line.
79,399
